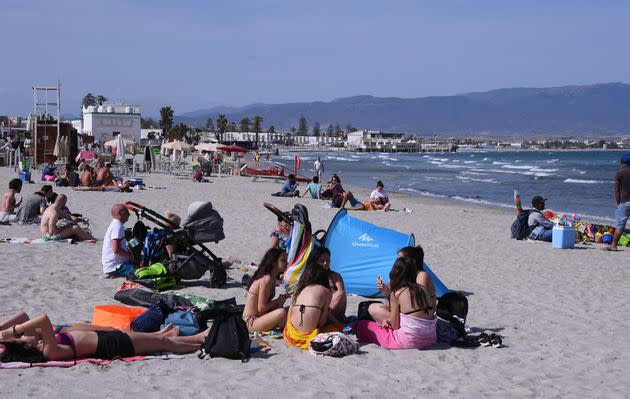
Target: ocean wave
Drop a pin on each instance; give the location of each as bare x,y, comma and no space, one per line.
482,201
470,172
536,169
579,181
472,179
498,162
344,159
509,166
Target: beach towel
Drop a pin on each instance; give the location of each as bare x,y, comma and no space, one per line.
24,240
414,333
300,245
99,362
293,337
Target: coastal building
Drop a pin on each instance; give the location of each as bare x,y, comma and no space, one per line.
249,138
106,121
315,141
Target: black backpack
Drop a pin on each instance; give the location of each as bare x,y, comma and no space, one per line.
520,228
453,308
228,337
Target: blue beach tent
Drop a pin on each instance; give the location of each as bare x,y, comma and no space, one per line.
361,251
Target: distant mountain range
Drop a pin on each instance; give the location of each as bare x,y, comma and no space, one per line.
599,109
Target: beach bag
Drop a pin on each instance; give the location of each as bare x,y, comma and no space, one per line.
155,270
151,319
154,277
520,228
453,308
334,344
140,297
624,240
446,334
154,249
228,337
185,320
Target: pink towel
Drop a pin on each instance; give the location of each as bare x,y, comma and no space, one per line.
414,333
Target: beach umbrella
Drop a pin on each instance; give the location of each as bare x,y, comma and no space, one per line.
84,154
57,150
66,147
211,147
114,142
233,148
120,148
181,146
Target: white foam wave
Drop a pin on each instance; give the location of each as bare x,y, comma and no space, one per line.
579,181
509,166
471,179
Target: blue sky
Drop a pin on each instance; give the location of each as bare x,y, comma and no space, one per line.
197,54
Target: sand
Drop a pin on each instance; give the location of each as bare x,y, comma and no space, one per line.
563,313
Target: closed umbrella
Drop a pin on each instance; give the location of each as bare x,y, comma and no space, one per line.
66,147
120,148
57,150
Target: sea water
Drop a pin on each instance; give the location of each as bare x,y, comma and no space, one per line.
572,181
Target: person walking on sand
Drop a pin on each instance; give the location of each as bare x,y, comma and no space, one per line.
52,215
319,168
622,197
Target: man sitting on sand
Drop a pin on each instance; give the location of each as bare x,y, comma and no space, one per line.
87,176
7,212
34,206
539,226
289,188
52,215
314,188
115,255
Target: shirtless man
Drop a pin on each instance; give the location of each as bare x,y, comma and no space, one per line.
51,216
86,177
105,176
7,212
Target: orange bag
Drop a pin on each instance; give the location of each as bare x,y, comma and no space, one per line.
115,316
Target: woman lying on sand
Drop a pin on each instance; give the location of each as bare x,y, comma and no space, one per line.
409,323
308,313
36,340
356,205
262,312
123,188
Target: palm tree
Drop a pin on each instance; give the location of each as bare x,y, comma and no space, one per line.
222,123
100,99
257,126
166,119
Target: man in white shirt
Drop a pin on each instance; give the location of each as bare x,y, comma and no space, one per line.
115,256
319,168
380,192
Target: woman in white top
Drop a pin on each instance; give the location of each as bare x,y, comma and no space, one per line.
380,192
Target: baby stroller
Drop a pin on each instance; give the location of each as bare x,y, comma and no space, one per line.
191,258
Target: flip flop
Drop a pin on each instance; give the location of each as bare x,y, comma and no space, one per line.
496,341
609,249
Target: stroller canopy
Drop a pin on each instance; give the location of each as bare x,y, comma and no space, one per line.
361,251
203,224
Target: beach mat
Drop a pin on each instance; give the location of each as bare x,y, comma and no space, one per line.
98,362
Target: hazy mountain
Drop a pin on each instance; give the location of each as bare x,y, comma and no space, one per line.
598,109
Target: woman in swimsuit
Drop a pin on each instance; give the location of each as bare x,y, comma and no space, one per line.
339,301
280,235
309,311
262,312
36,340
410,322
380,311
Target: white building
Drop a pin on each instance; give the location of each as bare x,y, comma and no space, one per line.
263,137
372,140
104,122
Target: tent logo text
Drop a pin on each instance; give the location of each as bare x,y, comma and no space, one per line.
366,241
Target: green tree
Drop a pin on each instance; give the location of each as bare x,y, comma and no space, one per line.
350,128
338,131
210,125
302,126
330,130
221,126
232,127
88,100
271,129
100,99
166,119
192,136
317,130
256,125
244,124
148,123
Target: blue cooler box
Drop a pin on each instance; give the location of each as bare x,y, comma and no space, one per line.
25,176
563,237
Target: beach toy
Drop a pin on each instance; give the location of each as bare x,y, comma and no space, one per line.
599,237
624,240
549,215
607,238
115,316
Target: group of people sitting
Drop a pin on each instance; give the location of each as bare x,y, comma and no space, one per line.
46,208
379,198
318,303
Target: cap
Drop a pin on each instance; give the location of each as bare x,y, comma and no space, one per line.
625,157
538,199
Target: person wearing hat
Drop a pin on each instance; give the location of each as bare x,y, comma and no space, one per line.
622,197
539,226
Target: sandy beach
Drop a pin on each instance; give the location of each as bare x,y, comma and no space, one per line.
563,313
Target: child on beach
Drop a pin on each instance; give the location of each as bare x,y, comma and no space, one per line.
409,323
9,204
262,312
115,256
280,235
